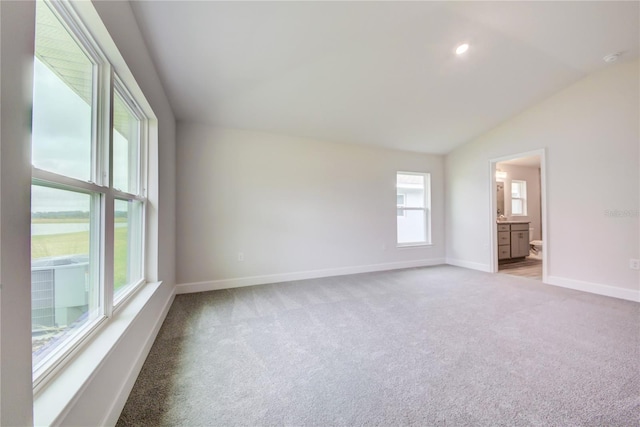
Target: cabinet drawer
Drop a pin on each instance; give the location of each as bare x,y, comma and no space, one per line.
520,227
504,252
504,238
503,227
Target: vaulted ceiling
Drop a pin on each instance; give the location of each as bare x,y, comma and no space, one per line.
381,73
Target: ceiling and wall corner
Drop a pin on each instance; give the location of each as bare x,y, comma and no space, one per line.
380,73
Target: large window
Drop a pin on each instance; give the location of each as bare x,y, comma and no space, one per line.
87,197
413,207
518,197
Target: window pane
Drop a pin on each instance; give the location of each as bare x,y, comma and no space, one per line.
516,207
125,147
412,226
412,188
62,100
64,285
127,245
519,189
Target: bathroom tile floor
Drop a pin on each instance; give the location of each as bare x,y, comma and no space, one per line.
530,267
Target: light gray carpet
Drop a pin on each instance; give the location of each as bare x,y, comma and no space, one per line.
428,346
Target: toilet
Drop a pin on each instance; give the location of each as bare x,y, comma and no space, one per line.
535,245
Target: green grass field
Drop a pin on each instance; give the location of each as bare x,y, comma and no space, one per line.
78,243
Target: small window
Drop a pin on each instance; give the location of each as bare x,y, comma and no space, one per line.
414,213
518,197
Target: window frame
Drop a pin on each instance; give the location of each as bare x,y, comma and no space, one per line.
426,209
523,196
106,83
141,185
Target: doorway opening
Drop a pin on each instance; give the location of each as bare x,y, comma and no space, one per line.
518,212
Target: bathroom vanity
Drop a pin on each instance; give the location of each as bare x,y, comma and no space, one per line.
513,239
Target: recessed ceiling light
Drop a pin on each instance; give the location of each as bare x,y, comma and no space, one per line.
612,57
462,48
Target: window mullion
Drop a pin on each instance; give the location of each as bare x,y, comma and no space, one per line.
52,179
126,196
106,164
108,253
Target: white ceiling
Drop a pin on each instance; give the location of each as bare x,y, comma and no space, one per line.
381,73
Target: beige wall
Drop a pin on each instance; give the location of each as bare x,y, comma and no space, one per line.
291,204
591,132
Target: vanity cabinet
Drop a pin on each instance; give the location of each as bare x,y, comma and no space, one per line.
513,240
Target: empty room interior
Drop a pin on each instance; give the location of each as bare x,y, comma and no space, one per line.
198,224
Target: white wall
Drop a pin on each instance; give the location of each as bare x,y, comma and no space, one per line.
591,132
17,35
291,205
103,394
532,177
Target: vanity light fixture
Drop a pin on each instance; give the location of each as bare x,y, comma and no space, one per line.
462,48
501,174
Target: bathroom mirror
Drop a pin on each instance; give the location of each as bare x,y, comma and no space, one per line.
500,198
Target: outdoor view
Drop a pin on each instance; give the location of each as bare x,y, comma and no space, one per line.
65,220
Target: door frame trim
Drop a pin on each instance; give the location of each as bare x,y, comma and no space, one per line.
542,153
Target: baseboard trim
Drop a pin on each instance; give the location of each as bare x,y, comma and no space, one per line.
213,285
594,288
121,397
468,264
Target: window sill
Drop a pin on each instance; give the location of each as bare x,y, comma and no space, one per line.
54,398
414,245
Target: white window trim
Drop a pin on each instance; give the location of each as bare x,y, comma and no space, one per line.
108,62
426,210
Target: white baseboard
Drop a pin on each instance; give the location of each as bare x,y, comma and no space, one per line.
595,288
468,264
214,285
121,397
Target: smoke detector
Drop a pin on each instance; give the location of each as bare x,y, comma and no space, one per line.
613,57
